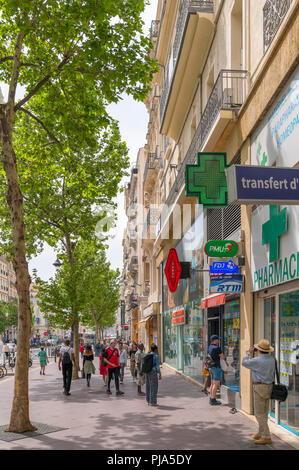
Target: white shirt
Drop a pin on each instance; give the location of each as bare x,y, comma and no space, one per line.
68,349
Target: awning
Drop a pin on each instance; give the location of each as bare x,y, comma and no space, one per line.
144,321
213,300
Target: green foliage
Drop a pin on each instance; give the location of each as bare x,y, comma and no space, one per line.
8,314
96,295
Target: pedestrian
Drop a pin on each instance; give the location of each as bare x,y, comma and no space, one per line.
263,377
66,359
88,366
132,353
152,378
103,368
111,357
81,350
207,375
187,353
122,361
43,359
6,350
97,349
215,353
140,376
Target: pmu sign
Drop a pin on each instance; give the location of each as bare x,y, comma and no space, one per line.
221,248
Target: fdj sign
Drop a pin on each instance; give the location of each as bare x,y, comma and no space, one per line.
224,267
221,248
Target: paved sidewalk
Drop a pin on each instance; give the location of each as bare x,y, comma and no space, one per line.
93,420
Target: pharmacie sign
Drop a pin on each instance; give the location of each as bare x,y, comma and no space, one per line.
274,246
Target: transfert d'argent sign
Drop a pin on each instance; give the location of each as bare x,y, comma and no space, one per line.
274,246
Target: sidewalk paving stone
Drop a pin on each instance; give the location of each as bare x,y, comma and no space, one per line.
91,420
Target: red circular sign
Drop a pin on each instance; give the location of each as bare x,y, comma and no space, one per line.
173,270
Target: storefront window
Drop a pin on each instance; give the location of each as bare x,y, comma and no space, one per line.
184,345
289,358
269,320
231,343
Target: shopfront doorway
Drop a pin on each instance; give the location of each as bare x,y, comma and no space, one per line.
213,322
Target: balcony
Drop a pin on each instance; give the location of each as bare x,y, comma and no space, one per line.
150,226
154,31
132,234
194,32
133,266
274,12
150,172
224,103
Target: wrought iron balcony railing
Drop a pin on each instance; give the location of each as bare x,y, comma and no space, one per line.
188,7
133,264
154,29
274,12
150,164
228,94
151,221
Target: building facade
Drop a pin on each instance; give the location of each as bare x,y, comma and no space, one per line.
228,82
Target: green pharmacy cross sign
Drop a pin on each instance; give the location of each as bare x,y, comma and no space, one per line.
207,179
272,230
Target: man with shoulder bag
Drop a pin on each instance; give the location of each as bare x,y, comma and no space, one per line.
263,376
111,358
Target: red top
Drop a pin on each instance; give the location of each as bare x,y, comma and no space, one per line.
81,348
114,359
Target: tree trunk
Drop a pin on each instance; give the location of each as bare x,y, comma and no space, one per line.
19,419
74,310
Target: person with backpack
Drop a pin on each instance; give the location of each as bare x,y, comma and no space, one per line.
66,359
111,358
151,368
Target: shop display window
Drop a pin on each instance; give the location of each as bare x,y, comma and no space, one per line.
231,343
289,358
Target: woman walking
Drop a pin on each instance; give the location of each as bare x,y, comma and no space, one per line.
103,369
88,366
152,378
43,360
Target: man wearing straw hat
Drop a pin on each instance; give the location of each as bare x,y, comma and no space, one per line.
263,376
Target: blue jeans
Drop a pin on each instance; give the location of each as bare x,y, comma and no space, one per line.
216,373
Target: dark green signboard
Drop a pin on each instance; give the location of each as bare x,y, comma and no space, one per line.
221,248
207,179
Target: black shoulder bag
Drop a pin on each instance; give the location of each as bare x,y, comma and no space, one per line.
279,391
